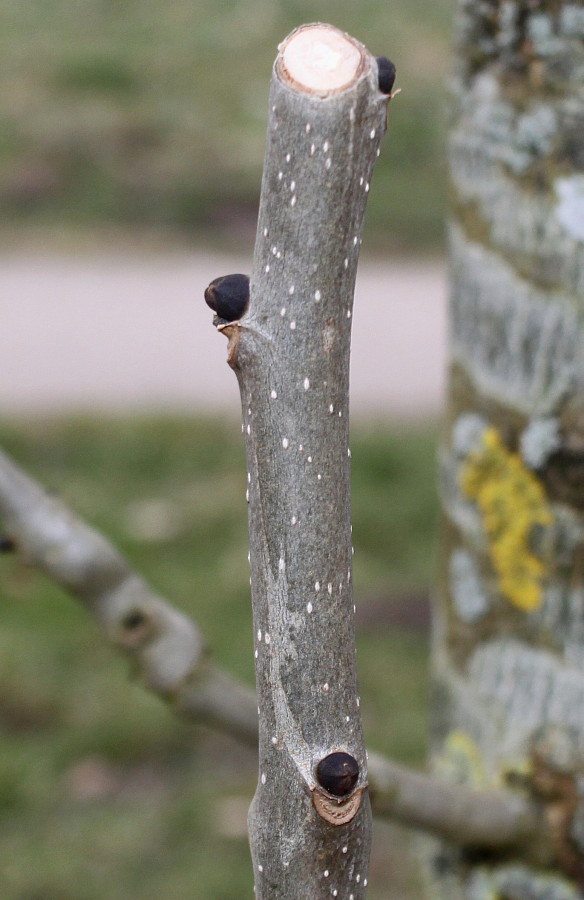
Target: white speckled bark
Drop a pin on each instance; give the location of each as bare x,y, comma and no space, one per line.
291,356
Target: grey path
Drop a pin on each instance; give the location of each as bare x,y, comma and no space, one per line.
133,333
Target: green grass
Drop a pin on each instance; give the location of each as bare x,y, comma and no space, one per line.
104,793
150,114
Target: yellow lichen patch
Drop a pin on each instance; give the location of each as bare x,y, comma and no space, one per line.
511,501
461,761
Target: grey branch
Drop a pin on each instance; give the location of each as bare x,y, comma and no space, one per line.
290,352
49,537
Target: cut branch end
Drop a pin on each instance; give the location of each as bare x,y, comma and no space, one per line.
319,59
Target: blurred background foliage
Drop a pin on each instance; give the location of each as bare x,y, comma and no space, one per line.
104,793
151,114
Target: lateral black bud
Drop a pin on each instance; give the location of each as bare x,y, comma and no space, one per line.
385,74
7,545
337,773
228,296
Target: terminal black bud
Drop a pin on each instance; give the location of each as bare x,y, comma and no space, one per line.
338,773
228,296
386,74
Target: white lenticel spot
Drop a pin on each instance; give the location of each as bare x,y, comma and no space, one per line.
328,163
248,429
285,443
256,654
283,311
288,157
331,408
329,588
274,250
300,447
365,882
273,395
247,496
378,152
335,893
260,868
349,314
325,146
278,255
306,384
309,458
345,849
280,176
267,638
265,232
349,454
293,201
319,476
309,607
367,187
308,128
259,634
346,263
264,779
326,873
293,520
292,186
372,133
274,740
281,564
267,269
358,701
361,180
292,326
317,585
347,718
312,149
291,289
358,879
355,241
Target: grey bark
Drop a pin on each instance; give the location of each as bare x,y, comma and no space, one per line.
291,356
508,706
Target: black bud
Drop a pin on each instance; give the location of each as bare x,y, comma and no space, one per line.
228,296
338,773
385,74
7,545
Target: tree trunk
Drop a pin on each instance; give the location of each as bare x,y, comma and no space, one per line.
508,704
310,820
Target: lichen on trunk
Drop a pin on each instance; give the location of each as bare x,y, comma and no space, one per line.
509,642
